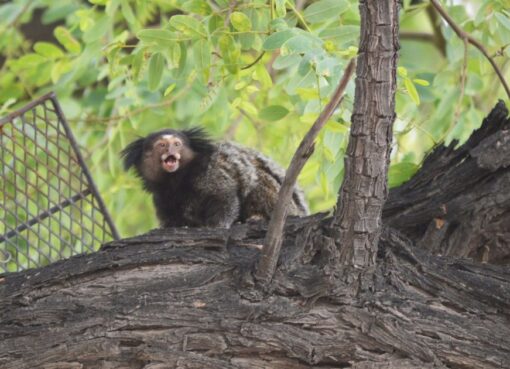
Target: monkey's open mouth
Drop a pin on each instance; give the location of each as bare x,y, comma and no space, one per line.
171,163
171,159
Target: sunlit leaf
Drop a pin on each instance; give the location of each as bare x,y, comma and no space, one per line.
411,90
421,82
240,21
48,50
169,89
273,113
402,72
67,40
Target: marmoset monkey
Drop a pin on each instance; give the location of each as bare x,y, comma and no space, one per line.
197,182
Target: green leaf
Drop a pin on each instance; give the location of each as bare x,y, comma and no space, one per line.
48,50
280,8
188,26
340,35
262,75
161,37
300,44
202,53
230,52
402,72
60,68
173,54
67,40
400,173
503,20
169,89
127,12
411,90
98,30
273,113
324,10
240,21
196,7
156,64
421,82
30,60
336,127
285,61
277,39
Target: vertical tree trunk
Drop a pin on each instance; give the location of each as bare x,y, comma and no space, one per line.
364,190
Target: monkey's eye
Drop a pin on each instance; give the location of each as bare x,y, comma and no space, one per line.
161,144
177,143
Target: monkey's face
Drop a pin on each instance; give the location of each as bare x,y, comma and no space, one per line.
167,153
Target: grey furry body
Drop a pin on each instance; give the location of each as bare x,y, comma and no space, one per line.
224,183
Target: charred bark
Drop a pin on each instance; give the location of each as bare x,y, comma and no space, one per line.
458,204
175,299
184,298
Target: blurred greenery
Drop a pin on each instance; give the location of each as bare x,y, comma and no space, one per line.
257,72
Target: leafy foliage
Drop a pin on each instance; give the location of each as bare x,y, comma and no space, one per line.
257,72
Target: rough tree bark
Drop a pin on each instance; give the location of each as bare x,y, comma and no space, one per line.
179,298
363,193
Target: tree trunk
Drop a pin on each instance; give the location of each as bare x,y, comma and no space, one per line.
183,298
364,190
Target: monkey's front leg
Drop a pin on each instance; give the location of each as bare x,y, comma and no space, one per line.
221,210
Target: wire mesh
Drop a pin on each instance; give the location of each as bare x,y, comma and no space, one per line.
50,208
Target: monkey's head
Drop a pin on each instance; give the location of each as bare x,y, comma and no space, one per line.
165,152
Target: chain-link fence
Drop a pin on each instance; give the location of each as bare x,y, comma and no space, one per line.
50,208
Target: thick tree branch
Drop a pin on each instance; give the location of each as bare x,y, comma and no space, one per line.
463,35
357,220
273,239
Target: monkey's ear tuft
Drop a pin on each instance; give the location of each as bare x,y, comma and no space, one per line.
132,153
198,140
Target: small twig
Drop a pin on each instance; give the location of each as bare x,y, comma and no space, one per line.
418,36
439,39
463,79
231,8
299,16
466,36
254,62
273,240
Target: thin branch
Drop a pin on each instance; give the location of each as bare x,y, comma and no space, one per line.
418,36
299,16
273,240
466,36
254,62
439,39
463,79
